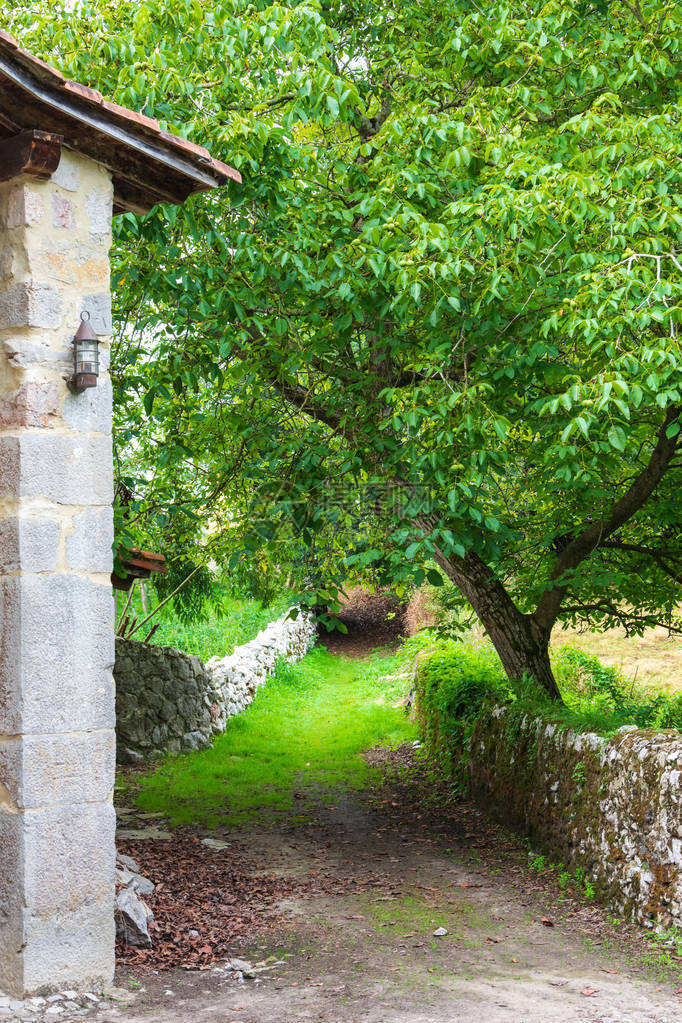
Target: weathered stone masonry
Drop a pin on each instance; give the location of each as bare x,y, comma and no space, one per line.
69,159
611,806
169,701
56,609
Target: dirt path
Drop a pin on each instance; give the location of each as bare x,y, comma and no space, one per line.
375,878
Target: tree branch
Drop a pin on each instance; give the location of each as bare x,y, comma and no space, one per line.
597,532
657,556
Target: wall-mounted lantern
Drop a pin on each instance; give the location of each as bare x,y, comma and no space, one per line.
85,357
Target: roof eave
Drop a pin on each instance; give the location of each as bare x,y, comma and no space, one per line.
110,141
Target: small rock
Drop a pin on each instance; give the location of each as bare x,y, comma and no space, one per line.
128,863
440,932
142,885
243,967
91,998
192,934
15,1005
36,1002
70,994
54,998
215,843
54,1010
132,919
124,877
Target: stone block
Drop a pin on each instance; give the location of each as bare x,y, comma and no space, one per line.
24,207
63,212
35,403
69,857
28,544
21,353
56,898
56,654
74,950
58,467
90,411
58,770
29,305
68,173
89,546
11,902
98,206
99,307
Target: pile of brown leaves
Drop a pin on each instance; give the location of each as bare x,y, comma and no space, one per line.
214,892
218,893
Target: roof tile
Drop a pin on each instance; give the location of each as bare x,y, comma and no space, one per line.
190,147
84,91
224,168
132,115
47,69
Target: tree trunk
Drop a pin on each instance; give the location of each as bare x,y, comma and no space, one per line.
522,644
523,649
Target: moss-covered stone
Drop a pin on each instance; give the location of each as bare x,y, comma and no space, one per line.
610,806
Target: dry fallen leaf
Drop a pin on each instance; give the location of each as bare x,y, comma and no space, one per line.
587,991
546,922
604,970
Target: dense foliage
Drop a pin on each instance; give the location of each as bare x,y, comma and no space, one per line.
439,320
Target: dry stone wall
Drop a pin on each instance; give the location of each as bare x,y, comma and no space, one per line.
170,701
611,806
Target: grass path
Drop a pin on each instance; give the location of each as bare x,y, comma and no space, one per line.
396,907
307,728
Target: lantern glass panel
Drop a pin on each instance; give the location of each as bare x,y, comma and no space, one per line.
87,357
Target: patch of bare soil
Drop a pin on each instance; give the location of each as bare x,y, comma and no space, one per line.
342,918
372,620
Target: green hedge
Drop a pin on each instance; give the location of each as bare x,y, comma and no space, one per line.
451,689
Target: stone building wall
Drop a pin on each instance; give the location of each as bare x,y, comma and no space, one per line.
169,701
611,806
56,609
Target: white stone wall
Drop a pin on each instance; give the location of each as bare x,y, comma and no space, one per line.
56,608
169,701
239,676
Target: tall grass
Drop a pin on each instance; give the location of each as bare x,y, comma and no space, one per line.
229,625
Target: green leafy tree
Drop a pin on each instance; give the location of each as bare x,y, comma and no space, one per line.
442,310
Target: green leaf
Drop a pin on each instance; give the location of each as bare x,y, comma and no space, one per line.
617,438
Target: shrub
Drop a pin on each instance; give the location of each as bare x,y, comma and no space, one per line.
590,688
451,689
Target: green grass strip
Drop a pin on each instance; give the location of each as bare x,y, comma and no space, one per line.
304,732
